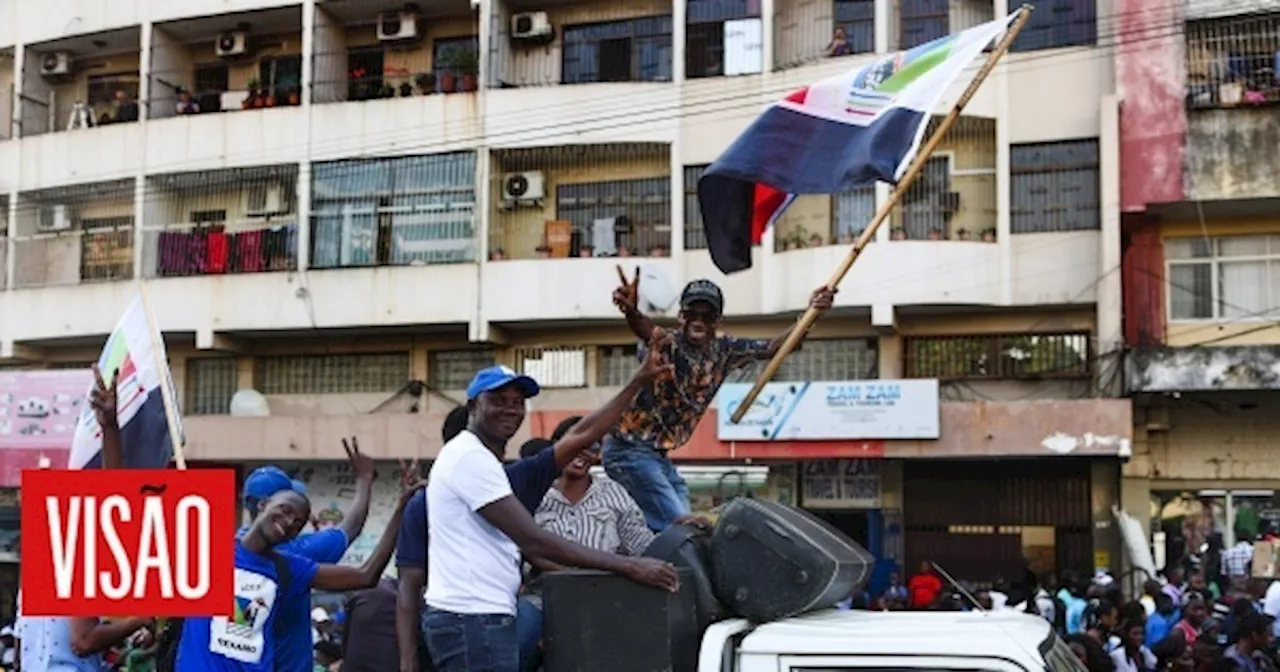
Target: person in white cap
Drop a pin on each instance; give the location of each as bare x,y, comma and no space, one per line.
319,625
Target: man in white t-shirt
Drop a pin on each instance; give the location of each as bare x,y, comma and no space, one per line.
478,530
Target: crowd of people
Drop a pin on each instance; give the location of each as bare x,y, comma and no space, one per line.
470,542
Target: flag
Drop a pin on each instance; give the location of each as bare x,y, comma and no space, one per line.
841,133
144,431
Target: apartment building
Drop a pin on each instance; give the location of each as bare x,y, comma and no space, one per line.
346,207
1200,228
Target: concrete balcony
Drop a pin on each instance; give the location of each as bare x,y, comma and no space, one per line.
62,158
577,114
226,140
364,297
396,126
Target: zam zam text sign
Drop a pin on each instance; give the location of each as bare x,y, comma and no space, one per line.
130,541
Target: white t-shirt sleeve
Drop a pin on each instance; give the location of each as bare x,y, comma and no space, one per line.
478,479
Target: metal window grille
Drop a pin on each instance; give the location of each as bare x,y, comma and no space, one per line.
553,367
630,50
1232,60
1057,23
211,382
832,359
999,357
454,369
640,210
1054,186
332,374
617,364
695,236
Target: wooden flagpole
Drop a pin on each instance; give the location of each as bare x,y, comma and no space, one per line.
917,166
166,382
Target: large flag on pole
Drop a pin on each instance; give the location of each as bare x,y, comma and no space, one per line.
844,132
137,352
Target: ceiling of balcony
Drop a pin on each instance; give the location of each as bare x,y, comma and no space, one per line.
359,12
106,43
264,22
1213,210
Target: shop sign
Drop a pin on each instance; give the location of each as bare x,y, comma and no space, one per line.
832,411
845,484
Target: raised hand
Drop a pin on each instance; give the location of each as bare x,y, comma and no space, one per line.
656,364
361,464
103,398
822,298
409,474
626,296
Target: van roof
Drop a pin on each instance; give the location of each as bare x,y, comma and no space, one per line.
1010,635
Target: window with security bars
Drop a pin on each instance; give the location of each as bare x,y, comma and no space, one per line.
1057,23
454,369
553,367
211,382
1054,186
617,364
1232,61
332,374
998,357
695,236
634,214
832,359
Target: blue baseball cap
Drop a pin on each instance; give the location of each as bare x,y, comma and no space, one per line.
264,482
495,377
299,487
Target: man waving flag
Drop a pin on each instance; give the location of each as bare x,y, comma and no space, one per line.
136,354
843,132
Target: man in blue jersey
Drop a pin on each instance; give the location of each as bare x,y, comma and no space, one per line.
293,623
266,578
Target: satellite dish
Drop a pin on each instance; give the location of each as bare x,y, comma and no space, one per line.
249,404
657,293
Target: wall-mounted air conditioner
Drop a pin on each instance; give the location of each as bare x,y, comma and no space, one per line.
55,64
54,218
232,44
532,27
265,200
527,188
397,26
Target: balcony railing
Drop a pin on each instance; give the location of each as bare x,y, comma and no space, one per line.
73,257
82,81
920,21
999,357
1233,61
809,31
186,249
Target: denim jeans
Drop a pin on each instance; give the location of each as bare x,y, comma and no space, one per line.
650,478
529,632
472,642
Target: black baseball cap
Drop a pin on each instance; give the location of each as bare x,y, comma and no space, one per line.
702,290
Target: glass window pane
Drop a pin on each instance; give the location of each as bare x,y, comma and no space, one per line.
1242,289
1187,248
1190,291
1242,246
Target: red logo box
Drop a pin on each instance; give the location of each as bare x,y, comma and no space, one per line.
135,542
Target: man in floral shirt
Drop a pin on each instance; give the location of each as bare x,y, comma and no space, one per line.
663,415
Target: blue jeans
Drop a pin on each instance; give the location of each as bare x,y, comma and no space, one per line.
472,642
529,633
649,478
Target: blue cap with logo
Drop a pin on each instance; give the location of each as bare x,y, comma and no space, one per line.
264,482
495,377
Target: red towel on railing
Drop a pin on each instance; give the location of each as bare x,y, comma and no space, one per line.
248,252
217,253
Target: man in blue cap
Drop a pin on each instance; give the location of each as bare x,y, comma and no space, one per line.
478,527
293,650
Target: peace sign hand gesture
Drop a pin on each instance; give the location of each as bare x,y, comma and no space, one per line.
627,294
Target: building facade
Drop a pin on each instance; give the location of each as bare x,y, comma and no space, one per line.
1199,222
348,206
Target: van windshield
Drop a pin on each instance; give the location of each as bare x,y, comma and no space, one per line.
1058,657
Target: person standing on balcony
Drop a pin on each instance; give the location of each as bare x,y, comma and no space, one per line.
663,416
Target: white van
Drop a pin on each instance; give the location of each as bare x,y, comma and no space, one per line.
903,641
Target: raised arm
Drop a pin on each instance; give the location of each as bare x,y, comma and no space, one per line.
821,299
592,428
90,636
338,578
103,401
362,467
627,297
508,515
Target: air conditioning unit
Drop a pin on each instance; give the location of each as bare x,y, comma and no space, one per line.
232,44
531,26
397,26
265,200
54,218
527,187
55,64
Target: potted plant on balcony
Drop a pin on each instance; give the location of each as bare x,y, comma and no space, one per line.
989,235
448,66
468,66
897,233
426,82
964,234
